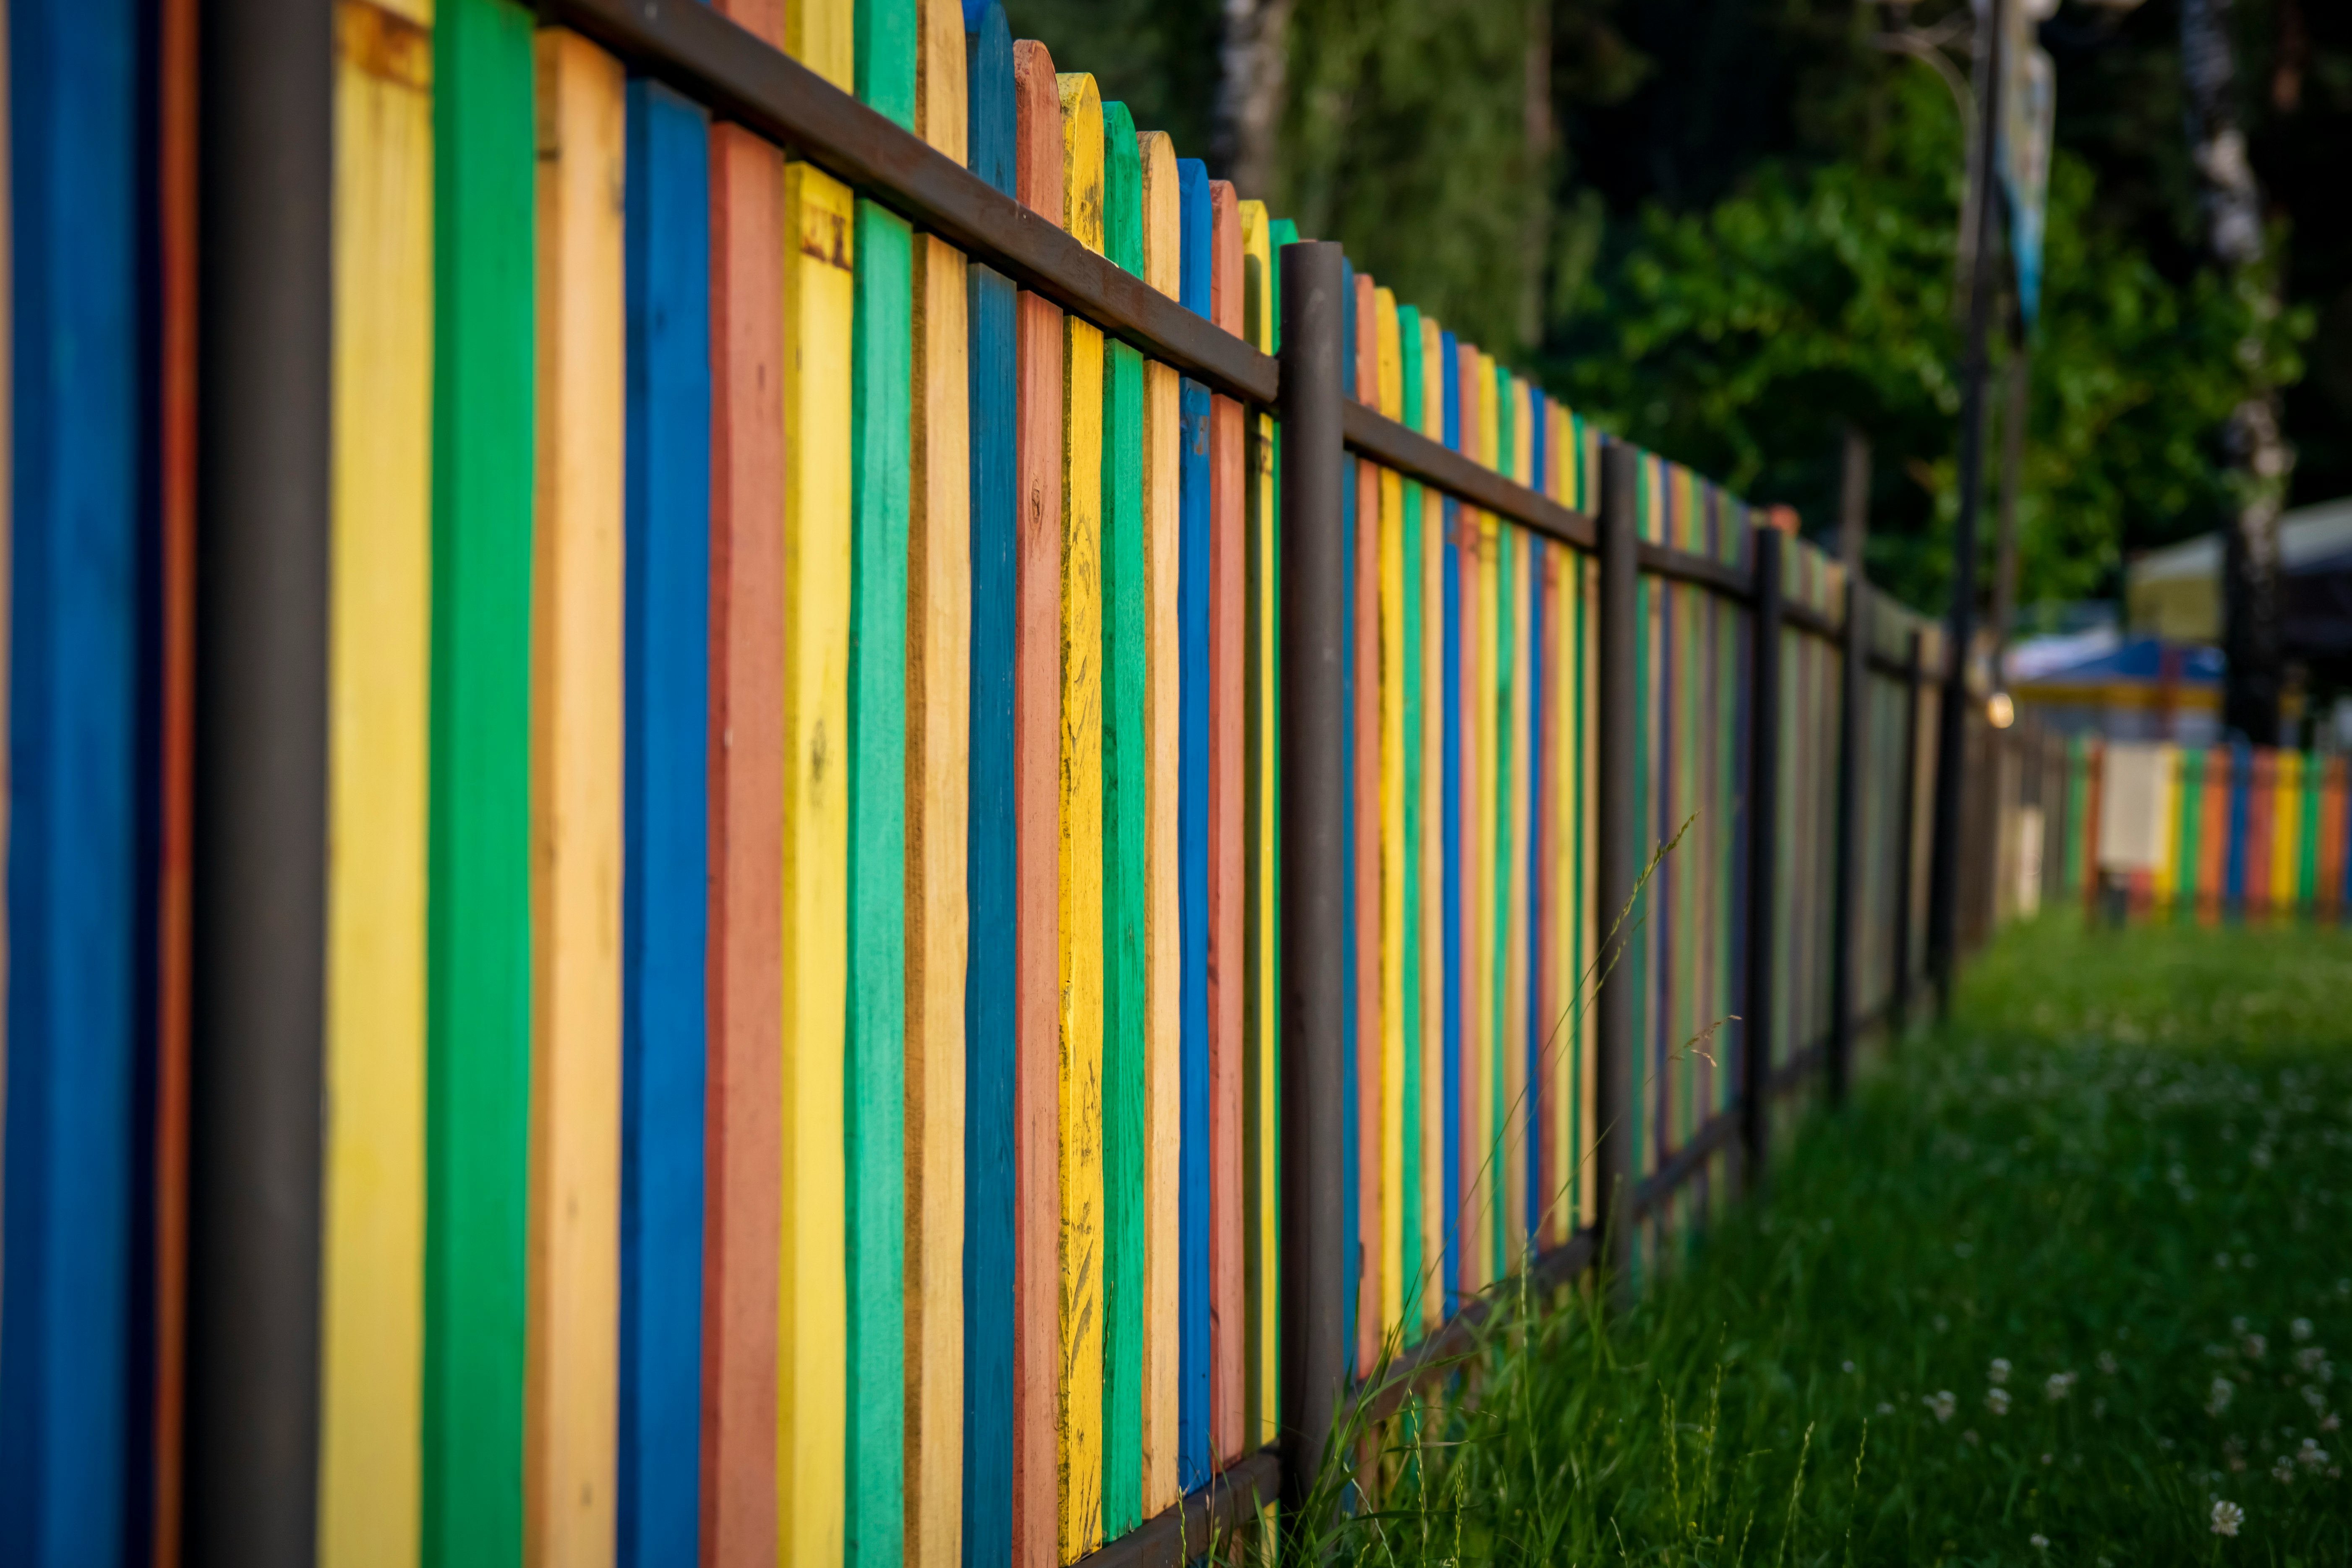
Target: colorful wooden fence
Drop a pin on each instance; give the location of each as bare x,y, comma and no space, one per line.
2206,834
741,765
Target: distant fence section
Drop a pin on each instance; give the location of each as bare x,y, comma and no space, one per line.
770,800
2208,833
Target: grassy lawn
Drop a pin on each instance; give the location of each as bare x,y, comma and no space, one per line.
2069,1284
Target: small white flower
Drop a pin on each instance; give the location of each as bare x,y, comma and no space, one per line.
2312,1456
1996,1401
1884,1408
1848,1366
1970,1437
2227,1517
2217,1398
2314,1397
2049,1459
2108,1363
2041,1542
1941,1403
1999,1371
2308,1358
2330,1422
2283,1471
2256,1346
2300,1330
2058,1385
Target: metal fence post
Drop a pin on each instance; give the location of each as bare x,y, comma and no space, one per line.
1763,857
1314,1351
1617,859
1850,740
260,885
1907,855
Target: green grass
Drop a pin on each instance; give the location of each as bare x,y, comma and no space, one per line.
2116,1191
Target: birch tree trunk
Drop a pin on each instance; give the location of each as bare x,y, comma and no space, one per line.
2259,455
1252,61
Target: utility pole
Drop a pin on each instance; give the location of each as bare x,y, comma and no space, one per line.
1951,719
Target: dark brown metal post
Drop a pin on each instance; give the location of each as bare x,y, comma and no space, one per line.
1314,589
1907,814
1617,861
1763,855
258,1003
1851,710
1945,865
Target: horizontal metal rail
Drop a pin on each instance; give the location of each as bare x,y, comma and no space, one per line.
739,77
1185,1532
1805,618
1703,571
1375,436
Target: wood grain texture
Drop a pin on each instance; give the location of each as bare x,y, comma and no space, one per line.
1261,1307
813,1292
1126,664
991,1255
1394,884
570,1421
890,49
744,1149
379,683
1078,1427
1452,755
479,935
1493,695
1228,882
1195,840
1043,342
938,765
881,415
1162,246
823,36
1038,1353
1518,981
665,877
1428,742
1408,656
1125,758
1518,1088
943,100
78,884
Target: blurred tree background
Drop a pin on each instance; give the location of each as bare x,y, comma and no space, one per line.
1727,229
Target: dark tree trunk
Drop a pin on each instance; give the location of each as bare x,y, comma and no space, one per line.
2232,206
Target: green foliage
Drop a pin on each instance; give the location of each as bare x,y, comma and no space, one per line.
1157,57
2069,1274
1407,138
1739,339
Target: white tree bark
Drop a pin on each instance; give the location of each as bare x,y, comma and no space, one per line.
1252,61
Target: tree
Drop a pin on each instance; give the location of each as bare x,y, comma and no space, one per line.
1741,339
2260,460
